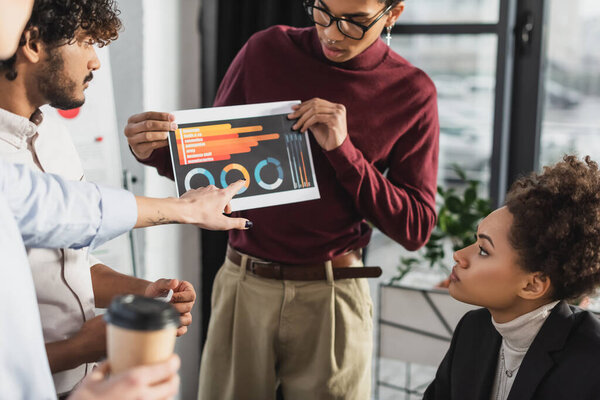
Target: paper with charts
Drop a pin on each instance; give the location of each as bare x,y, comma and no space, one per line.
221,145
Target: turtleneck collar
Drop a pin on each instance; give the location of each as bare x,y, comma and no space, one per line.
367,60
519,333
16,130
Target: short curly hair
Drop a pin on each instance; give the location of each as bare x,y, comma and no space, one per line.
556,225
58,21
390,2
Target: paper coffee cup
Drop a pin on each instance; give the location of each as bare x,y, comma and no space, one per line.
140,331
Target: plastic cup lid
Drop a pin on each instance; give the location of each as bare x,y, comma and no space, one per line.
141,313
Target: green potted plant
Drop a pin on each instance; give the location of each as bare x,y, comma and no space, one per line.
458,217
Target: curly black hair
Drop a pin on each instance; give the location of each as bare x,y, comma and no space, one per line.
58,21
556,225
390,2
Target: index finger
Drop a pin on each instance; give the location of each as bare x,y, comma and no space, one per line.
151,115
235,187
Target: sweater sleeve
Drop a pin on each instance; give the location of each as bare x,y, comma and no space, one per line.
402,205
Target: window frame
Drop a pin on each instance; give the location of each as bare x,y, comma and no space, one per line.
519,90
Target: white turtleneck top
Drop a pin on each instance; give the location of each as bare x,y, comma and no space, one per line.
517,336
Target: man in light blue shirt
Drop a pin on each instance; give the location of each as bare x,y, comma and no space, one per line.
45,211
50,213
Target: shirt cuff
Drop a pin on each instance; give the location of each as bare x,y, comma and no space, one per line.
119,214
344,157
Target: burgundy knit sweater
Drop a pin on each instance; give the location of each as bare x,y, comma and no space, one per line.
392,126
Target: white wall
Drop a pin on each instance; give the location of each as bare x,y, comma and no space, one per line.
171,71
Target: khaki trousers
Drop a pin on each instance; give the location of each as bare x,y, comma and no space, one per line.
314,338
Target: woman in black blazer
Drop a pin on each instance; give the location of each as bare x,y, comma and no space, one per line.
530,256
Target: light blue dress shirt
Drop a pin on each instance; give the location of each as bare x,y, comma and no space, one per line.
42,210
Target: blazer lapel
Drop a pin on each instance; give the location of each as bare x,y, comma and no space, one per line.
476,356
538,360
483,379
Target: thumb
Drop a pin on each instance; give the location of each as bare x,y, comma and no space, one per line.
166,284
172,283
99,373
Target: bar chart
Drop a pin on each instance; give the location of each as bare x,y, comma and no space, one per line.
207,143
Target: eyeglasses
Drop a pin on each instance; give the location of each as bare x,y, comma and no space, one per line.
348,28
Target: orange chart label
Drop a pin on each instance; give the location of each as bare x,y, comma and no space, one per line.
207,143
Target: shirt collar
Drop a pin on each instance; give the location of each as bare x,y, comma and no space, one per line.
519,333
16,130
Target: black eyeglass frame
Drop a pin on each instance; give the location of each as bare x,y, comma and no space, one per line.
310,4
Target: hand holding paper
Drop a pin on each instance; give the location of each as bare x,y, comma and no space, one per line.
148,131
326,121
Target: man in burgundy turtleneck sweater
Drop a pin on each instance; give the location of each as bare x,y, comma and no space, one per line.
294,322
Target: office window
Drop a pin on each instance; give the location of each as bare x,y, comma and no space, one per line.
451,11
456,43
571,118
463,68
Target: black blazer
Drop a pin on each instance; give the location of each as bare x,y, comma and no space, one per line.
563,362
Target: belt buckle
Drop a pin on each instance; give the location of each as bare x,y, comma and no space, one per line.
251,266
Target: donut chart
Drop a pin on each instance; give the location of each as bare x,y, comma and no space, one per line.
198,171
261,165
239,167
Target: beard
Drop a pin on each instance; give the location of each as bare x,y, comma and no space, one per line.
57,88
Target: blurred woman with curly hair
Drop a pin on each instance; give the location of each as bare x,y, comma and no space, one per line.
531,256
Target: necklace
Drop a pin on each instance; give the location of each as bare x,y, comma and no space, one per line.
509,372
504,375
